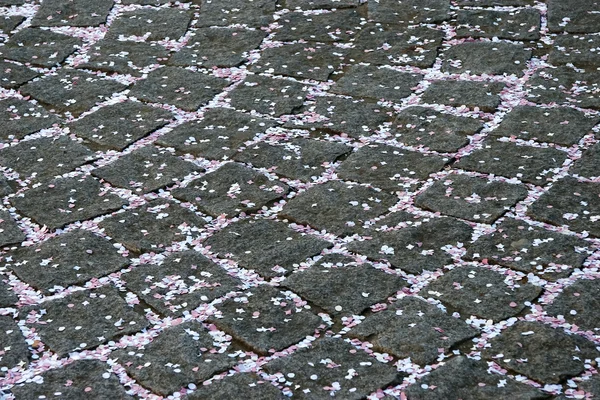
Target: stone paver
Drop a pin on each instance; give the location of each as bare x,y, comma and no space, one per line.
259,199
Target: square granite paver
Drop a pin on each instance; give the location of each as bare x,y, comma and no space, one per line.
152,227
46,157
480,292
336,26
230,190
297,158
412,328
152,24
511,25
341,287
39,47
544,354
571,203
409,12
13,351
218,135
427,128
268,96
337,207
217,47
414,248
385,166
466,378
116,126
254,13
145,170
301,60
575,16
265,246
114,56
529,164
351,117
80,379
10,233
69,259
313,372
14,75
20,118
66,200
480,95
560,125
71,91
565,86
578,304
578,50
397,45
376,83
84,320
72,13
517,245
472,198
269,320
489,58
178,87
182,282
242,386
165,371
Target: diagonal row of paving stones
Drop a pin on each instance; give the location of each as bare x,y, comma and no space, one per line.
258,199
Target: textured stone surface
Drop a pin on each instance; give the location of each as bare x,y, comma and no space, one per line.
587,165
152,227
271,319
230,190
578,50
412,328
416,247
339,207
576,16
165,371
10,233
253,13
71,91
571,203
244,386
512,25
145,170
479,58
391,45
14,75
80,379
528,164
577,303
265,246
66,200
341,287
20,118
72,13
409,12
178,87
376,83
9,22
182,282
386,167
217,47
481,292
14,351
336,26
424,127
517,245
268,96
152,24
468,379
115,127
46,157
565,86
217,135
305,371
483,96
84,320
561,125
8,298
472,198
69,259
39,47
297,159
544,354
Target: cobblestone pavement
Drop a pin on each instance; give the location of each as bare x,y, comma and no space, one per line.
258,199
